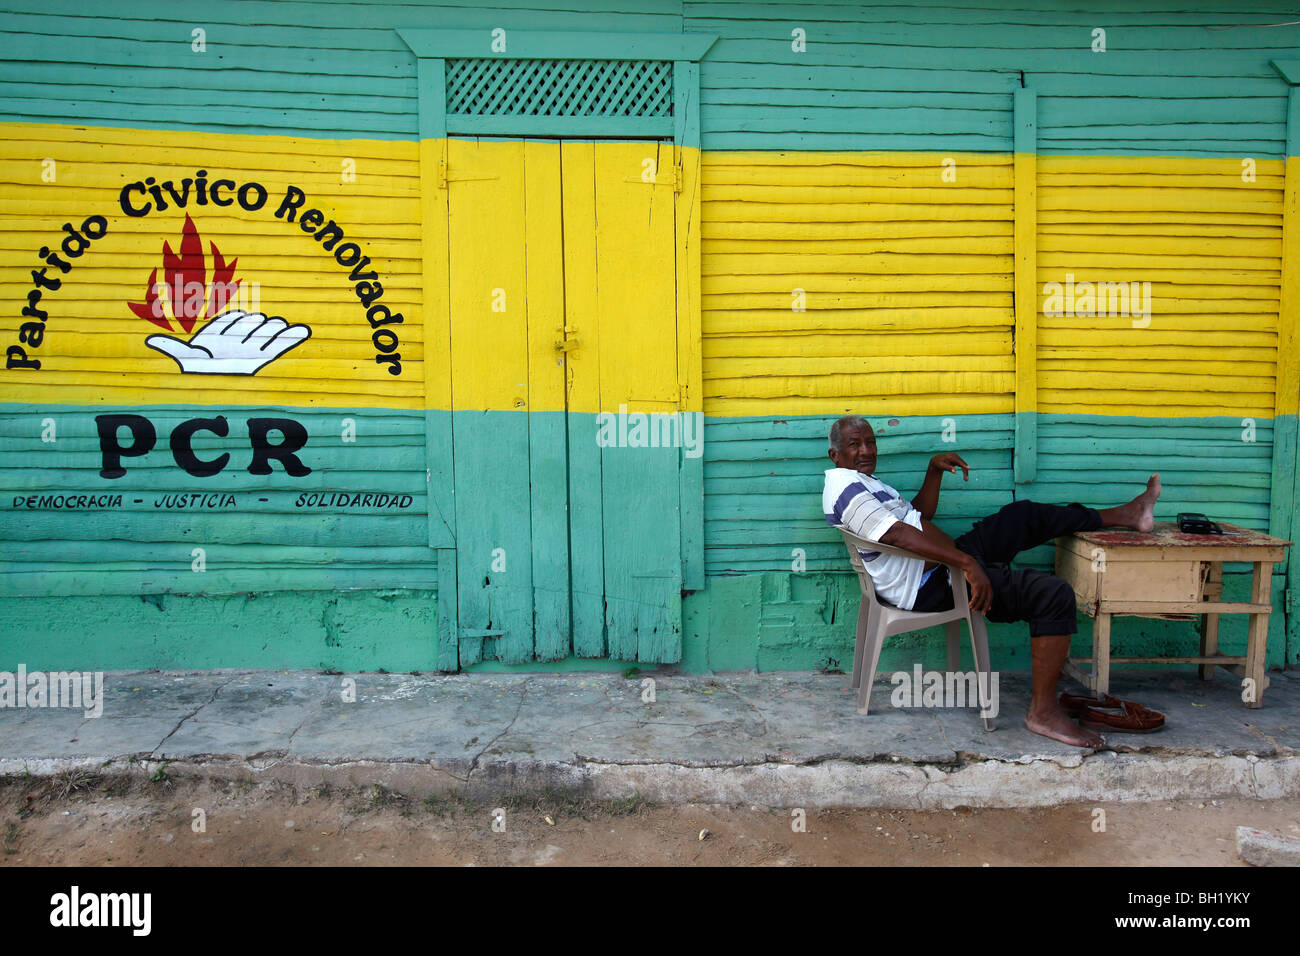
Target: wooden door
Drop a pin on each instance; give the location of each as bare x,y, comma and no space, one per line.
562,295
620,300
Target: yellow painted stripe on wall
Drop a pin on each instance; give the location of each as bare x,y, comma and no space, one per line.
93,348
899,299
830,281
1201,338
1288,372
874,282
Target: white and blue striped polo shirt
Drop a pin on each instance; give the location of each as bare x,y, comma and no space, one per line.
868,507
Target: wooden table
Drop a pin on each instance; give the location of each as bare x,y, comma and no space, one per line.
1175,576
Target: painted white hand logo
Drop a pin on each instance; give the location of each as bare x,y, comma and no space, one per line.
233,343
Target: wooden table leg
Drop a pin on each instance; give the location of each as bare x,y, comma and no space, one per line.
1209,643
1101,655
1210,631
1209,624
1260,585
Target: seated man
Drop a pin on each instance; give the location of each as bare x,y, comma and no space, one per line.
871,509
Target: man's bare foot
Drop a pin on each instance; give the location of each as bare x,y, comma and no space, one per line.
1138,514
1054,722
1146,504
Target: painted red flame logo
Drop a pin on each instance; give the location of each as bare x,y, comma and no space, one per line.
186,296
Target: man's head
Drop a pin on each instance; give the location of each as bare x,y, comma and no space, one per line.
853,444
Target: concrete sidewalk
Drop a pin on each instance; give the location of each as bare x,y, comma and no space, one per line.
778,739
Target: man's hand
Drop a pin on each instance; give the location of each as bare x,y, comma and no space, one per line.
927,499
931,543
950,461
981,589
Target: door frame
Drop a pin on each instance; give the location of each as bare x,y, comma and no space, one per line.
432,49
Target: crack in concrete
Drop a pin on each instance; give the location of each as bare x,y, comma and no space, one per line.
765,760
289,743
473,764
215,692
632,724
960,760
1278,748
943,732
276,755
76,734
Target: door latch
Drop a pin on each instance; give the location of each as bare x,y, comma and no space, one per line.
569,342
444,176
676,182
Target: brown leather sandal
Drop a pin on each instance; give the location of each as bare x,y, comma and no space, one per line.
1076,704
1132,718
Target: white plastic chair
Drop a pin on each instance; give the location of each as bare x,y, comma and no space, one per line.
877,621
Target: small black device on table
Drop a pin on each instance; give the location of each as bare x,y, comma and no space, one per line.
1190,522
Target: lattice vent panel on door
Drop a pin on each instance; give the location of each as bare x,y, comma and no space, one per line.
488,87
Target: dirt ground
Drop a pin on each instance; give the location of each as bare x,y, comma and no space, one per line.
84,820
